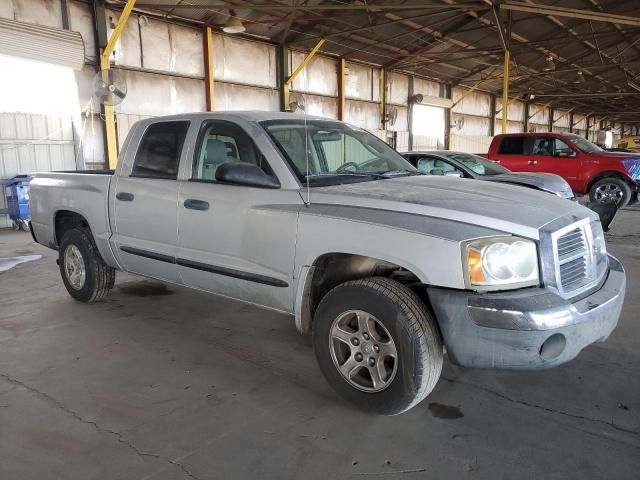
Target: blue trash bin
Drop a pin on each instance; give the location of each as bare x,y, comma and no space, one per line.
17,200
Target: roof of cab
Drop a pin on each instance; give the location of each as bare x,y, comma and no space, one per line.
247,115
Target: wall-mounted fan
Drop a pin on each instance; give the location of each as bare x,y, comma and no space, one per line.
109,87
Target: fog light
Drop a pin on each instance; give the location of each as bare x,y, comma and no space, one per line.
553,346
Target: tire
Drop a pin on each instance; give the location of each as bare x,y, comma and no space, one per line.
397,319
610,188
84,273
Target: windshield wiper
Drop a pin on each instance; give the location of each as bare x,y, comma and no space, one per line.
398,172
337,174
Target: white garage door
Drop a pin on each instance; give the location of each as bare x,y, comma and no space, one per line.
36,99
44,44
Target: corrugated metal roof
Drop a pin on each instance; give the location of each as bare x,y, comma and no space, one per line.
456,42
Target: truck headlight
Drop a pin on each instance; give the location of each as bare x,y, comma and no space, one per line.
499,263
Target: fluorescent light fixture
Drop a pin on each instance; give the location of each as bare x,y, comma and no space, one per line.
234,25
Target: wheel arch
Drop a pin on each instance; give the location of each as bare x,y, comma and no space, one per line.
333,268
64,220
607,174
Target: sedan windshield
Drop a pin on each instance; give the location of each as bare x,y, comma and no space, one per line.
583,144
478,165
328,152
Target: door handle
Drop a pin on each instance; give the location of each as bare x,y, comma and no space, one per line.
533,162
124,196
193,204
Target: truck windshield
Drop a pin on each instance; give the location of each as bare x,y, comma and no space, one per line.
327,152
478,165
583,144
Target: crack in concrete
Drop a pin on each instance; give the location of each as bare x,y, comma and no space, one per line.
393,472
68,411
52,401
183,468
546,409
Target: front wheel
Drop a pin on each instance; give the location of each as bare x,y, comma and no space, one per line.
611,189
377,345
84,273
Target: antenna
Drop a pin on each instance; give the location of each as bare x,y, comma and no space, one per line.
306,154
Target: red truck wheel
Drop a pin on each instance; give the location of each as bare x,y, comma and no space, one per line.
610,188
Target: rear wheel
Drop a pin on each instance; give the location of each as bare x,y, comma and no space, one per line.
377,345
84,273
611,189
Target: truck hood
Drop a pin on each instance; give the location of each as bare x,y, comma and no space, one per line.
492,205
630,161
547,182
615,155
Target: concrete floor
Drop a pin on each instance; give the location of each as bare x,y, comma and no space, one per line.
164,383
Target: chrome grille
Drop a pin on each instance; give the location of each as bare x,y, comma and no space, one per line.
574,256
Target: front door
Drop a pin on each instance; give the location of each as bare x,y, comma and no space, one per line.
145,205
234,240
562,160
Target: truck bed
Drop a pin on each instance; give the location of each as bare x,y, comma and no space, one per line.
82,192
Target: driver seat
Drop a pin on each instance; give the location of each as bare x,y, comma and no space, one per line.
543,148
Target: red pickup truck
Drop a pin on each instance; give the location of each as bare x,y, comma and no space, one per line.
605,176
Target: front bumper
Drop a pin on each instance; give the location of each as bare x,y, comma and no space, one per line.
527,329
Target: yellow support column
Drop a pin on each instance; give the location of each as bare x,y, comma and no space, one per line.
505,91
109,115
208,68
109,122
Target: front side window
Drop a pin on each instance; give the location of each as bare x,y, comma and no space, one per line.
324,151
221,142
543,146
158,155
430,165
561,149
478,165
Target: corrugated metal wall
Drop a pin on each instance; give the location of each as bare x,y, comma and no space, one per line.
34,143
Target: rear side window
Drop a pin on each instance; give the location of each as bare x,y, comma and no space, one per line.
158,155
512,146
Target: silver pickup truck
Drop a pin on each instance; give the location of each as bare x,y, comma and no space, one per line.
323,221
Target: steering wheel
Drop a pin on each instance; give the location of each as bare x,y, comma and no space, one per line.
348,167
374,164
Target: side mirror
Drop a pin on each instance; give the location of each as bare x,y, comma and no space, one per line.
247,174
453,174
571,154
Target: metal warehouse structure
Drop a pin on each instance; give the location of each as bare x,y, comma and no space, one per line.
482,66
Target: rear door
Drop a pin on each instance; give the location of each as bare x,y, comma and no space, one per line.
145,208
513,153
235,240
